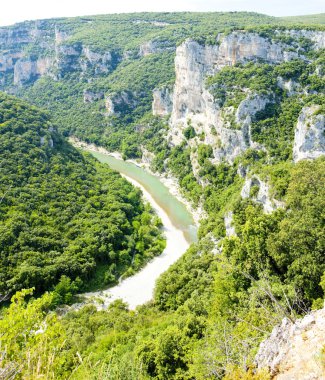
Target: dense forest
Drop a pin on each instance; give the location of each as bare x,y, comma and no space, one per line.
63,215
207,315
69,224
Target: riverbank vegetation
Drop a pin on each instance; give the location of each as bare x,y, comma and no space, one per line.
66,220
63,213
209,312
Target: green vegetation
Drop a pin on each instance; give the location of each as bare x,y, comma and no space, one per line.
62,213
209,312
274,126
179,163
68,224
129,72
126,32
122,36
316,19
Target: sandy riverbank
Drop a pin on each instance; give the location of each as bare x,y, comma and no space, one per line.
167,179
138,289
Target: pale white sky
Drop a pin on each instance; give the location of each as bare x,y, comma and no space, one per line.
19,10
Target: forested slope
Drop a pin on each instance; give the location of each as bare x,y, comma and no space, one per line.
62,213
96,74
316,19
238,120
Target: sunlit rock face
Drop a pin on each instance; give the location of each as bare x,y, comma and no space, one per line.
309,142
294,350
154,47
193,102
261,195
194,105
31,50
230,229
316,36
27,70
120,102
239,46
162,102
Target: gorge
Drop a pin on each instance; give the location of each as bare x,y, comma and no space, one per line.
178,228
228,111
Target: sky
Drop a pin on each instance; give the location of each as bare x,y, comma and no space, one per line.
13,11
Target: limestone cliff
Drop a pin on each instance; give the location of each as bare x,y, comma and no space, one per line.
119,103
259,191
309,142
34,49
162,102
295,351
226,130
26,69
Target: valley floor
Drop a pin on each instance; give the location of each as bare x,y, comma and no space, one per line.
138,289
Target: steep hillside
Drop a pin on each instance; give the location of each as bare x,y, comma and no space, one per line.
97,74
296,350
237,117
62,213
241,104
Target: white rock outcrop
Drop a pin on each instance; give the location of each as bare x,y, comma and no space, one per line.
162,102
92,96
290,86
294,350
7,61
109,105
193,102
117,103
262,194
57,58
101,63
26,70
230,229
316,36
153,47
241,46
309,142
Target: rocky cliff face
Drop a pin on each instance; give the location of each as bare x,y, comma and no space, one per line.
230,229
162,102
76,57
26,69
39,31
119,103
14,58
309,142
226,130
153,47
317,37
294,351
34,49
259,191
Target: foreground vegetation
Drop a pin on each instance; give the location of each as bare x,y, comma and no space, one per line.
67,221
209,312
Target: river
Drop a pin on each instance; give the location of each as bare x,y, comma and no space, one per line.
179,230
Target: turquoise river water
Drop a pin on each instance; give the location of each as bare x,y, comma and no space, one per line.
177,212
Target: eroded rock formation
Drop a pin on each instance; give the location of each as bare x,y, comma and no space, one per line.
162,102
309,142
226,130
294,351
259,191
